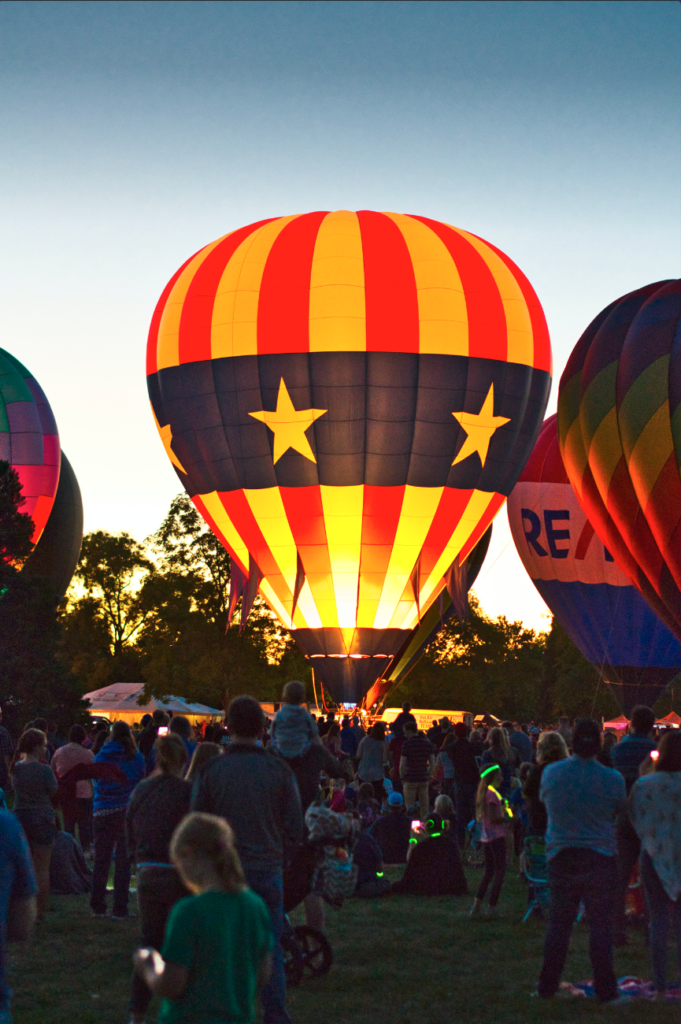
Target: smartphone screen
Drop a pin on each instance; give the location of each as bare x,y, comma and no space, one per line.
163,730
416,824
654,754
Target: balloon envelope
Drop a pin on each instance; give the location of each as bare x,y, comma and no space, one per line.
55,556
619,435
29,439
348,398
592,599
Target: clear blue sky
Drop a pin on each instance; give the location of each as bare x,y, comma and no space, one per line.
133,133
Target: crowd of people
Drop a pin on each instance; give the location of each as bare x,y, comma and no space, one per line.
228,826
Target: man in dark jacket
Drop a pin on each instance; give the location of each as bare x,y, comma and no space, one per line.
466,779
258,795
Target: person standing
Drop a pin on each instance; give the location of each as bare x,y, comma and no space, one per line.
416,765
494,819
110,804
655,813
627,756
565,730
372,754
582,800
17,897
34,786
404,716
349,742
65,758
156,808
466,779
6,753
519,741
257,794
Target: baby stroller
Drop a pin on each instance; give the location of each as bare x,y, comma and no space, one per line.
323,864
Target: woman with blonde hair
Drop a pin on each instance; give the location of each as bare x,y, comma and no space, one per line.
550,748
218,941
501,753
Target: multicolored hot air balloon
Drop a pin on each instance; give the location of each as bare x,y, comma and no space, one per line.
592,599
618,425
348,398
29,439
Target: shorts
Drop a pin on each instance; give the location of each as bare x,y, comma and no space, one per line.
40,830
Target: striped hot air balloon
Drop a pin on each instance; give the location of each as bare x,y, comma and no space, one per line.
595,603
618,425
348,398
29,439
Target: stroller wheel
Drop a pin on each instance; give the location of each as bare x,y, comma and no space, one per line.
293,958
317,955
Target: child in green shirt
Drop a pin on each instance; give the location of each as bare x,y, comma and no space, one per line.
218,942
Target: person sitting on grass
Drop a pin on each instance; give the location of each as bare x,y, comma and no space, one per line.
392,831
218,942
490,810
434,863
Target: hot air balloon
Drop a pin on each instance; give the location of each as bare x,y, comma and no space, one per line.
616,408
55,556
29,439
592,599
348,398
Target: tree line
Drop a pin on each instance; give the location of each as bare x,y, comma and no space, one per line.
156,612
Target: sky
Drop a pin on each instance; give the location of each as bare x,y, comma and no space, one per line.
133,133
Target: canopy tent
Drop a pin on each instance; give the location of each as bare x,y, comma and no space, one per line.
121,701
620,723
672,720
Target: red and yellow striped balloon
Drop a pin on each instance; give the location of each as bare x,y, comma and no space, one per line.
348,398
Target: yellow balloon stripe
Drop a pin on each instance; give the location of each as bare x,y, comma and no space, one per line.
234,328
472,514
343,522
229,534
418,511
518,322
337,297
443,317
168,345
650,454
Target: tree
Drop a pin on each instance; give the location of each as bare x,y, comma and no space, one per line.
16,527
33,678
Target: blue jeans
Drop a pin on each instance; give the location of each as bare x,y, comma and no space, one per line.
659,906
269,886
581,874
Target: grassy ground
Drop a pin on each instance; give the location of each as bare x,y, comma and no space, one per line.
398,960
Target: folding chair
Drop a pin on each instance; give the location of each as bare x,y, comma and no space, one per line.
535,869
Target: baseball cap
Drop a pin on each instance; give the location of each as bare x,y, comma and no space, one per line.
395,800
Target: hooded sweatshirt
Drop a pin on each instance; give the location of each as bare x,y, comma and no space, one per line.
114,796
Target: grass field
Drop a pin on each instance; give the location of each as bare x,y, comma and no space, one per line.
398,960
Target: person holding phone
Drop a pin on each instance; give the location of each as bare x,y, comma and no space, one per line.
218,943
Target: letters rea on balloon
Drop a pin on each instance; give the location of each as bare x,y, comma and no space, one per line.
348,398
592,599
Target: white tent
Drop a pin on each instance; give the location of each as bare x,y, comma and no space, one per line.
120,700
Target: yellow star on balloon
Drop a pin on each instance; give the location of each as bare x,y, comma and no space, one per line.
167,438
479,427
289,425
